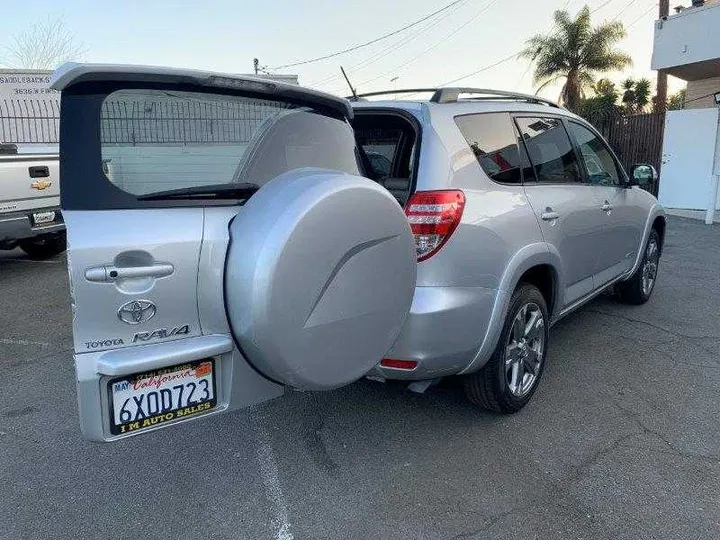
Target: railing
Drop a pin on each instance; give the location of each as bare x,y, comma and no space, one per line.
183,121
172,121
26,121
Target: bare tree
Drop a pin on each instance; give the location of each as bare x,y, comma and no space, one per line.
44,45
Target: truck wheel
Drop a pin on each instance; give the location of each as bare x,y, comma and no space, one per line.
44,247
509,379
638,288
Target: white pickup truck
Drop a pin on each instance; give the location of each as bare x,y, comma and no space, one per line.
30,215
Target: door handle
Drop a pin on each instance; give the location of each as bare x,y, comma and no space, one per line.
110,273
549,215
39,171
606,207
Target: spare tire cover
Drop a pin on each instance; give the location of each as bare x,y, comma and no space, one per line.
319,278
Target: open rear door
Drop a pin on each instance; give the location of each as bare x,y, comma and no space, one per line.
222,245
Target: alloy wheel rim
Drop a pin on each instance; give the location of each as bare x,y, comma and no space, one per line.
649,271
525,349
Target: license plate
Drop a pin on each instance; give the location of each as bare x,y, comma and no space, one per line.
145,400
43,217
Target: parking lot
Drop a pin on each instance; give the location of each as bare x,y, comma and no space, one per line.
622,439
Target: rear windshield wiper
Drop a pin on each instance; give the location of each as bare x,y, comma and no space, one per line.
215,191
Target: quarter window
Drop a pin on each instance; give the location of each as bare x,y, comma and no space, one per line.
599,163
550,150
494,143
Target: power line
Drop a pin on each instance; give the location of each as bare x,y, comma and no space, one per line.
623,10
699,98
601,6
356,47
387,50
435,45
651,8
485,68
514,55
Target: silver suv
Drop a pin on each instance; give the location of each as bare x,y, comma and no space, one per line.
230,237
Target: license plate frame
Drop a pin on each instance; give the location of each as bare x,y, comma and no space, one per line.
166,416
43,218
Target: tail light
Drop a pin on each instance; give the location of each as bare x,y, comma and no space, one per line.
433,217
399,364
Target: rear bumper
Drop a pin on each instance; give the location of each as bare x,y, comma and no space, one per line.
15,226
442,333
237,384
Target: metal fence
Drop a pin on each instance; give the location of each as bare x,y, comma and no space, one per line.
131,122
27,121
635,138
183,121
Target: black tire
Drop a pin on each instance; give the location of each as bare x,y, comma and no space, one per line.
632,291
44,247
489,387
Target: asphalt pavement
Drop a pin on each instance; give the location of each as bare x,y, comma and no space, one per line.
621,441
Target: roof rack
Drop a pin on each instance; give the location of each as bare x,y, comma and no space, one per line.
452,95
360,97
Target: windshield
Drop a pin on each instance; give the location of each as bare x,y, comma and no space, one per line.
156,141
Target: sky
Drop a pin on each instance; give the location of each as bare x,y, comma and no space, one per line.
225,35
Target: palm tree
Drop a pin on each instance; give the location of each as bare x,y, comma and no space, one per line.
628,97
636,95
643,94
575,51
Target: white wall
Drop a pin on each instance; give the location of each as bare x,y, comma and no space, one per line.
688,37
689,146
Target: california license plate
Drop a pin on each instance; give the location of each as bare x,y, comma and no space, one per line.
43,217
145,400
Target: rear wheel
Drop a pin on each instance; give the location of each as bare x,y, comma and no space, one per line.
639,287
509,379
44,247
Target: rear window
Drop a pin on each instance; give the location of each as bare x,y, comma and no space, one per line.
493,141
156,140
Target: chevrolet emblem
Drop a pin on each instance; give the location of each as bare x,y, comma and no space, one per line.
41,184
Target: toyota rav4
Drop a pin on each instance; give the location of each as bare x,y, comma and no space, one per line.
230,237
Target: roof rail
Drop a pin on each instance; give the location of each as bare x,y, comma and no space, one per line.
391,92
451,95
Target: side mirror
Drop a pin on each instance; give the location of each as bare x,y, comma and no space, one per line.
643,175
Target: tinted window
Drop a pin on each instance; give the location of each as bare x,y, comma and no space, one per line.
550,151
494,143
154,140
381,146
599,163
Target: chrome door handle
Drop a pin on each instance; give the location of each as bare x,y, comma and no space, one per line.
549,215
606,207
110,273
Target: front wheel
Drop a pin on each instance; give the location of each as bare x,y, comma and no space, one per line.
44,247
638,288
509,379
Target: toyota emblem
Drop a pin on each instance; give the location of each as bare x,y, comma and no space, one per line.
137,311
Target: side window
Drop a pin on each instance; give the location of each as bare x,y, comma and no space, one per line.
380,146
550,150
494,143
599,163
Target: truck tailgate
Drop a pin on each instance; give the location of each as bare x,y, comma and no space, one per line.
29,182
